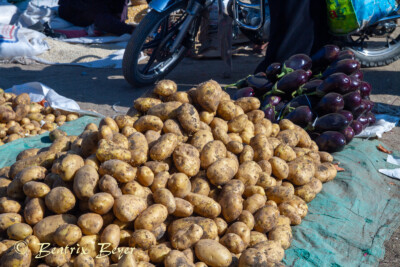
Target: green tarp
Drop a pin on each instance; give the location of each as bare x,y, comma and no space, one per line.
347,222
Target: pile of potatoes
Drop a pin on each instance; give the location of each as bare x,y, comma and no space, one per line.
193,179
20,117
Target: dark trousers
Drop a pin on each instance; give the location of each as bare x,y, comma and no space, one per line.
296,27
105,17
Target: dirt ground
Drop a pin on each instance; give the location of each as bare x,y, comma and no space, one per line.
105,91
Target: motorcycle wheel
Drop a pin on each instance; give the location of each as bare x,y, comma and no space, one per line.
374,50
147,58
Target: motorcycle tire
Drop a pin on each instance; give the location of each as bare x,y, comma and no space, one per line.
138,38
383,59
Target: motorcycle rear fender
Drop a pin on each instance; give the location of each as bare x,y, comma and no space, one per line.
162,5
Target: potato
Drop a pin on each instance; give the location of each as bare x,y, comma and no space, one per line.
285,152
35,189
172,126
69,165
60,200
19,231
254,203
211,152
148,122
105,132
143,104
127,207
235,147
189,118
8,205
253,257
262,148
280,169
275,130
89,244
325,172
143,239
266,218
247,218
21,257
34,211
300,172
233,242
325,156
151,217
84,260
304,138
158,253
33,244
159,231
85,182
177,258
164,147
179,185
231,205
272,249
22,99
237,124
45,229
256,116
165,111
165,197
139,148
182,97
187,159
309,191
248,103
165,88
160,181
247,154
265,180
109,185
101,203
222,171
109,122
121,171
89,143
213,253
186,238
72,117
210,230
208,95
67,235
203,205
183,208
108,150
234,186
201,138
6,114
248,173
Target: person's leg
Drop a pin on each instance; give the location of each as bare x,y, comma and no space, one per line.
111,23
74,15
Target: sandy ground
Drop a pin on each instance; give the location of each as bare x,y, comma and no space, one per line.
106,91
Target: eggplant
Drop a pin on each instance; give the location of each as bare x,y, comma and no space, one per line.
363,120
290,82
258,82
271,100
346,54
352,100
357,127
360,110
298,61
301,116
310,86
330,103
269,113
334,83
365,89
348,134
358,74
368,105
331,141
273,71
304,100
331,122
244,92
323,57
347,114
309,73
313,135
355,84
371,118
347,66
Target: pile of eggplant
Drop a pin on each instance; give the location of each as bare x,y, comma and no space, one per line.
324,94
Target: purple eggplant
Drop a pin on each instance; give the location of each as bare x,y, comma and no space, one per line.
273,71
301,116
357,127
330,103
347,66
326,55
348,134
346,54
271,100
304,100
331,122
355,84
313,135
347,114
358,74
360,110
258,82
365,89
244,92
331,141
334,83
371,118
310,86
309,74
352,100
269,113
290,82
368,105
363,120
298,61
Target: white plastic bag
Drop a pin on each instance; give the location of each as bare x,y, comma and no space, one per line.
18,42
8,13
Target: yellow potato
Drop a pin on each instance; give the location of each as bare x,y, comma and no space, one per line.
165,111
127,207
203,205
222,171
60,200
101,203
151,217
208,95
34,211
143,104
85,182
118,169
165,197
248,173
189,118
164,147
19,231
165,88
67,235
200,139
45,229
187,159
148,122
213,253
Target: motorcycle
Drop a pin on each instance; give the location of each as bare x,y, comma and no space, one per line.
167,32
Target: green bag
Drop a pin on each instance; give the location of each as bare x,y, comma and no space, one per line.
342,18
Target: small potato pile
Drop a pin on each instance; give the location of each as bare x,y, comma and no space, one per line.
19,117
195,179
